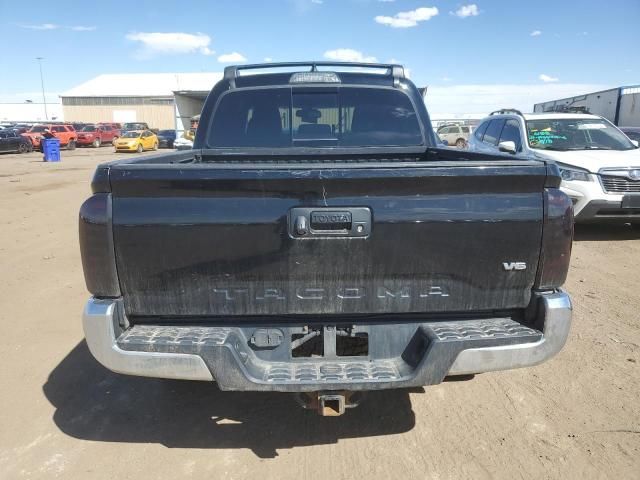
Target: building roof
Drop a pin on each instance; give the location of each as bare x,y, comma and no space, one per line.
144,84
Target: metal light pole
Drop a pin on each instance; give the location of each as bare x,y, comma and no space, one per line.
44,100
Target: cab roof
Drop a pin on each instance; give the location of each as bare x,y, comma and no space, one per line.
265,74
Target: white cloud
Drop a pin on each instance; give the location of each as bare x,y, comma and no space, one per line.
465,11
536,33
408,19
303,7
42,26
547,78
449,100
268,59
171,43
53,26
348,55
233,57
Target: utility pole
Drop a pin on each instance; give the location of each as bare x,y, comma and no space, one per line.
44,99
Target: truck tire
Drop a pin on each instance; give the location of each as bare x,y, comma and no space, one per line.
71,145
22,148
461,143
96,143
139,149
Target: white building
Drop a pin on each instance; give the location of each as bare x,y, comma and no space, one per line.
163,100
30,111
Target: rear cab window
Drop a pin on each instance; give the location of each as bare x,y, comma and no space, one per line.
314,117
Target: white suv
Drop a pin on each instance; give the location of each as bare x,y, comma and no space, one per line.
455,135
599,165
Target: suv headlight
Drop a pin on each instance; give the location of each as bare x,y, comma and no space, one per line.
571,174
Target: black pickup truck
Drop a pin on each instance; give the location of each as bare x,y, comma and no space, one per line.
317,240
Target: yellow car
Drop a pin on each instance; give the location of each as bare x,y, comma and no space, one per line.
136,141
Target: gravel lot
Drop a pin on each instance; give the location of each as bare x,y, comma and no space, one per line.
64,415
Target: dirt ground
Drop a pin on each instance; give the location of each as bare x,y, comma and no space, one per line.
63,415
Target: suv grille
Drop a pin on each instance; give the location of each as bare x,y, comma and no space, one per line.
615,184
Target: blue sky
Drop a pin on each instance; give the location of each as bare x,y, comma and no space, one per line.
445,44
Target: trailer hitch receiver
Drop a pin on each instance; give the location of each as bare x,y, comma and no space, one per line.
329,403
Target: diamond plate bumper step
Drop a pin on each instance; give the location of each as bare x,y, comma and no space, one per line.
402,353
429,351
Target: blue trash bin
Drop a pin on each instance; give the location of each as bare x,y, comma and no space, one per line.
51,149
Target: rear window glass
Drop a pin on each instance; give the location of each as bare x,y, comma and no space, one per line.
493,132
481,129
284,117
511,133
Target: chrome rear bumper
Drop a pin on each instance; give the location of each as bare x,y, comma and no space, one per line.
556,321
224,354
100,321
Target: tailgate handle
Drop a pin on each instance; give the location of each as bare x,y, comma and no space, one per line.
309,222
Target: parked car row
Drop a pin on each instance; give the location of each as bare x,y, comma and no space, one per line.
134,136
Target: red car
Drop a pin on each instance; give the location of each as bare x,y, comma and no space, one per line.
115,126
96,135
64,132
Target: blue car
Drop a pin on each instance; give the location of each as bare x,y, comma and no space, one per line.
166,138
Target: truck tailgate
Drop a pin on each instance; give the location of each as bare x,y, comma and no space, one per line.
225,239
